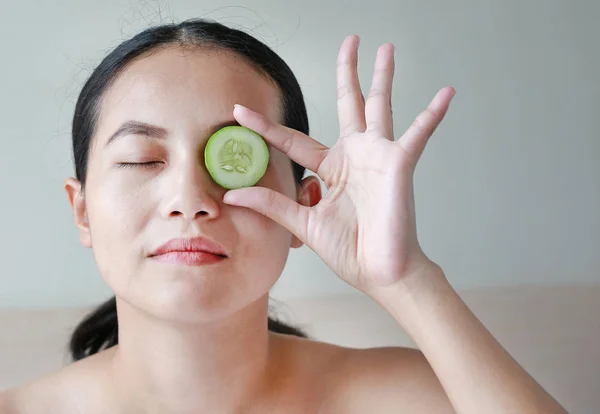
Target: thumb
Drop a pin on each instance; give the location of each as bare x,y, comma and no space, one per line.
276,206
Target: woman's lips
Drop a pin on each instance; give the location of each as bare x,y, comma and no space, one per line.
194,251
189,258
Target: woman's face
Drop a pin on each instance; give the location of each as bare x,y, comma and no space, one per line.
184,96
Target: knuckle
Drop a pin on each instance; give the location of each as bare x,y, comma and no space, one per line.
348,128
345,90
268,129
374,126
288,142
375,92
430,113
271,198
345,61
419,123
425,121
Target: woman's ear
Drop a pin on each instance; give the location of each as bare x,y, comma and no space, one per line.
309,194
77,201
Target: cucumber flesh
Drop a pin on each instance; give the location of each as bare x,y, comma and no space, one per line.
236,157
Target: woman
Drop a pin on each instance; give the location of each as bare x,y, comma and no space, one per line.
192,334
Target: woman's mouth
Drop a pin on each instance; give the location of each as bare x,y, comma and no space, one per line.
196,251
189,258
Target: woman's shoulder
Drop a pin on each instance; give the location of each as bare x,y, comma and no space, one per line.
378,379
63,390
346,363
30,397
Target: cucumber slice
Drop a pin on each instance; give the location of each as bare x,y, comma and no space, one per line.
236,157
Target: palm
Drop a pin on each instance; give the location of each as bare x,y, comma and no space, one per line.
364,228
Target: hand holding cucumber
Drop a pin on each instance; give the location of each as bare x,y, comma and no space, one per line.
364,228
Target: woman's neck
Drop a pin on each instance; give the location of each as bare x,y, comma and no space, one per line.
218,366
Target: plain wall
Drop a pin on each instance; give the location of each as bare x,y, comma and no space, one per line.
507,192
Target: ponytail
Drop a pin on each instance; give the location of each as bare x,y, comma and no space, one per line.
99,330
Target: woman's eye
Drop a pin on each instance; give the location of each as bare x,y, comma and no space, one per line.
138,164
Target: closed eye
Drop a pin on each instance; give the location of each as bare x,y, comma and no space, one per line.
138,164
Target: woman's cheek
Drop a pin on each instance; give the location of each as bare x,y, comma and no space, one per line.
258,232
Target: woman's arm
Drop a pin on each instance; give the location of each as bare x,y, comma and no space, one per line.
476,372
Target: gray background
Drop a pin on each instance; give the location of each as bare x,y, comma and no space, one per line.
507,191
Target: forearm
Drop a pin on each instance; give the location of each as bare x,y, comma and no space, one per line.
476,372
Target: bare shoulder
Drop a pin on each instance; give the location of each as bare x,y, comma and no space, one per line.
64,391
29,398
5,407
388,378
382,380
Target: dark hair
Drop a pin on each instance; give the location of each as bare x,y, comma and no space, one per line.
99,329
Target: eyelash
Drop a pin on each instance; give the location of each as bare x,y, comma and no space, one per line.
138,164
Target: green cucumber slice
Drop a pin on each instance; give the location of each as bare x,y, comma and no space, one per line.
236,157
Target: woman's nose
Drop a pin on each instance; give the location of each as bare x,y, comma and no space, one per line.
192,195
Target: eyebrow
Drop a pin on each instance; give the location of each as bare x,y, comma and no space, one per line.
154,131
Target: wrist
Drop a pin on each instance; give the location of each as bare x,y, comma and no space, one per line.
425,286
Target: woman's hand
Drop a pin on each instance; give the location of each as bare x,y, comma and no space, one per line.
364,228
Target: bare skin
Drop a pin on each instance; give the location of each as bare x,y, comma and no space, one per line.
311,377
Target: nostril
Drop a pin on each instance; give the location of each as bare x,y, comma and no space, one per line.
201,213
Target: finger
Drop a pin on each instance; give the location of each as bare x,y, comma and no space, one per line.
276,206
350,100
378,108
416,136
299,147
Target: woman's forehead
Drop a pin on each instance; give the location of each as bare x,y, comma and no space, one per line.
175,87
